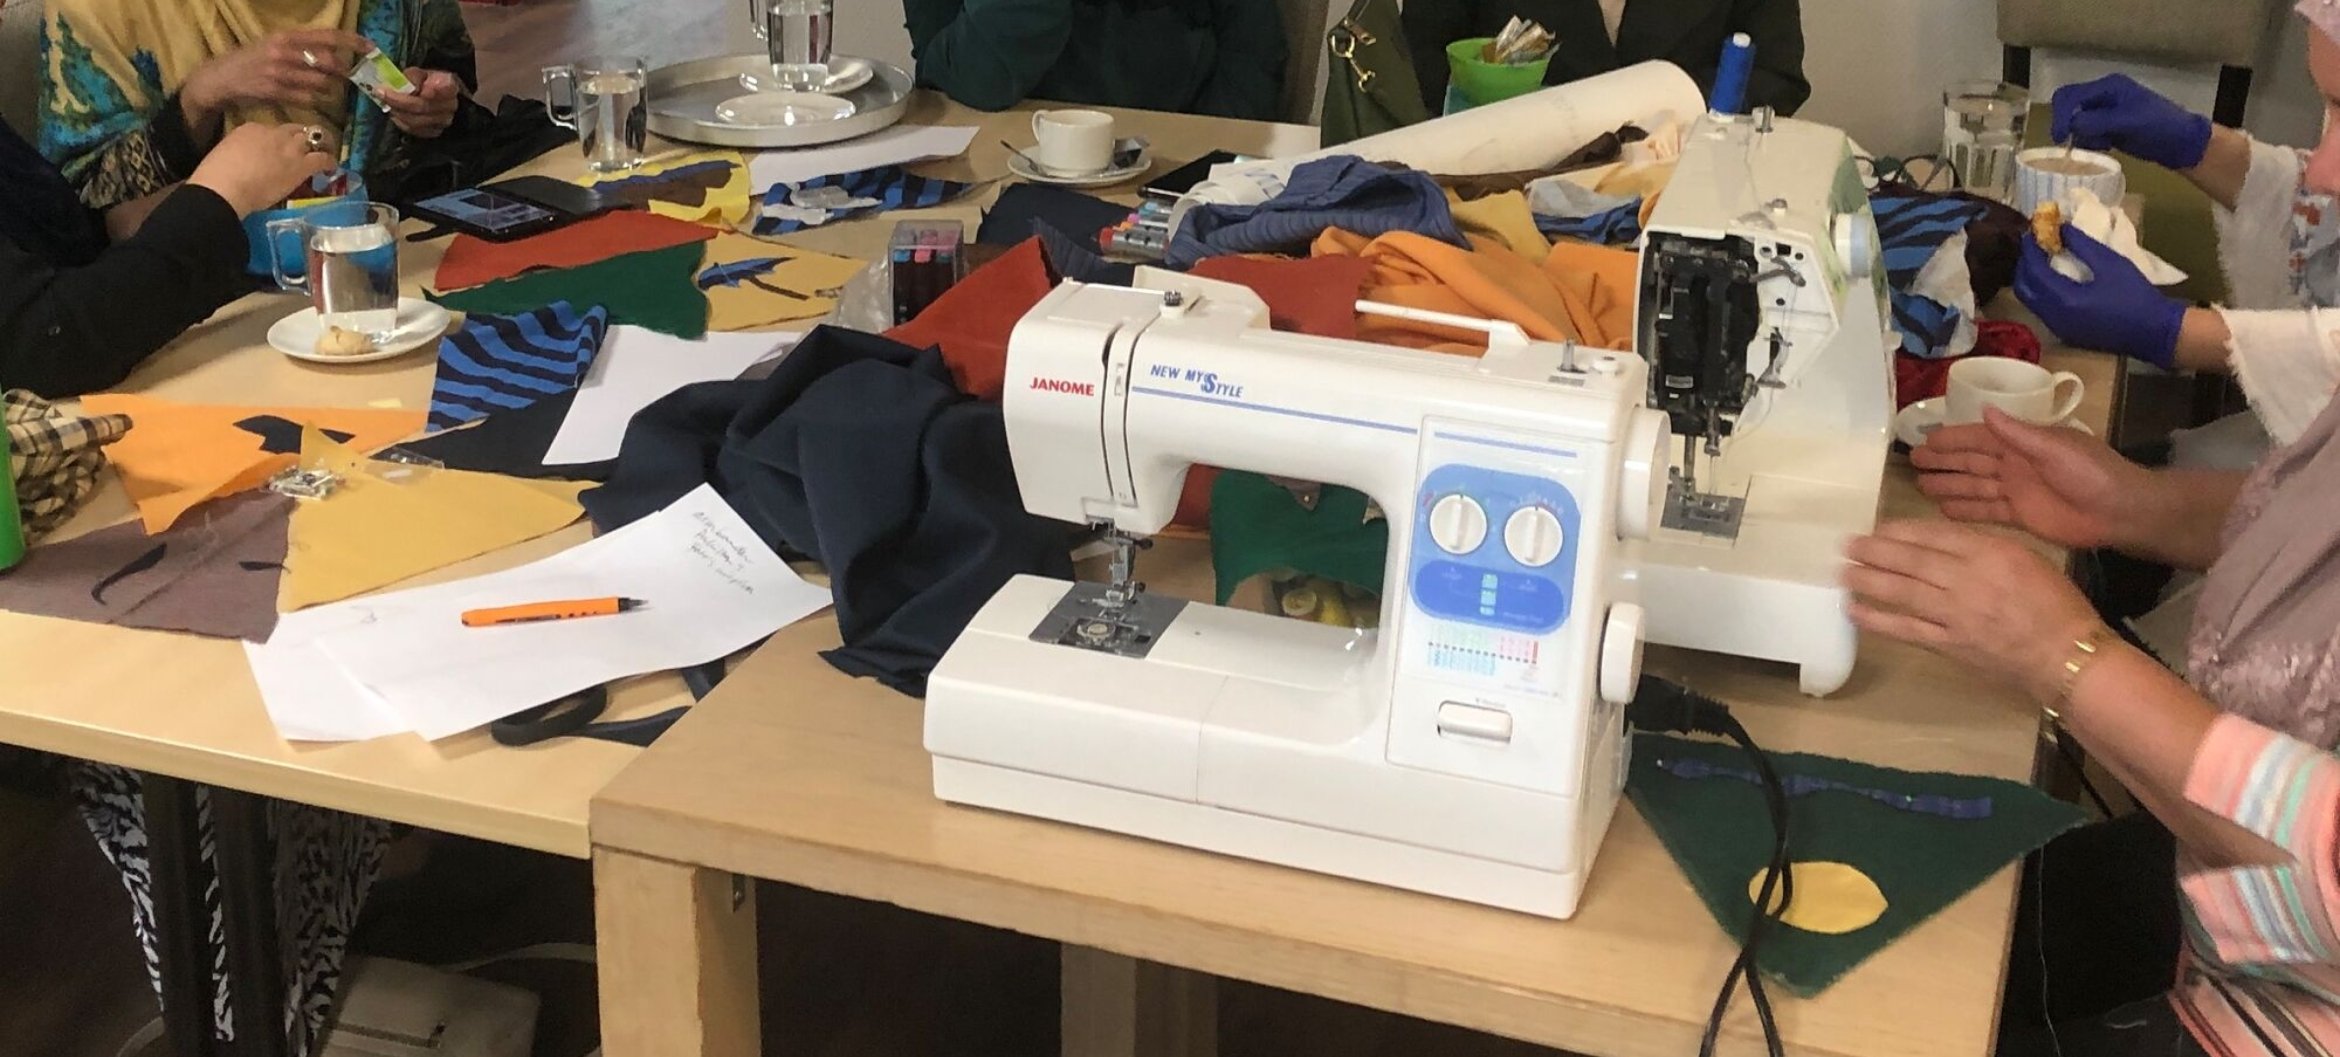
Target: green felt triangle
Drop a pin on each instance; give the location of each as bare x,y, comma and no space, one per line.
1719,833
1257,527
653,289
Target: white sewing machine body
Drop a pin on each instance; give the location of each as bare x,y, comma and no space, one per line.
1801,335
1472,747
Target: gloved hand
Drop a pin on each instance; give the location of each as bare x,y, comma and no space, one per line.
2114,112
2117,311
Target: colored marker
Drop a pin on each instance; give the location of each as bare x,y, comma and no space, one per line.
534,612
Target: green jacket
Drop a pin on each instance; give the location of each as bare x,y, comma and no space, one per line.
1219,57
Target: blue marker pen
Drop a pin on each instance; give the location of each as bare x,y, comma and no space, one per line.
1730,78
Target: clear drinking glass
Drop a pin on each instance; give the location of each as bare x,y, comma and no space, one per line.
1982,128
608,104
797,35
351,252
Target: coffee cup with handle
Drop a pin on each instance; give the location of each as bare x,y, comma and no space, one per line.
2022,390
1073,142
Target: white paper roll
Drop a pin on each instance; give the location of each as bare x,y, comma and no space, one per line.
1531,131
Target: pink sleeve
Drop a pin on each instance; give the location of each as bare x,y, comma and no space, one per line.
2288,792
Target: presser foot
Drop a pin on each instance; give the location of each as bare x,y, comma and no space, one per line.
1702,512
1117,619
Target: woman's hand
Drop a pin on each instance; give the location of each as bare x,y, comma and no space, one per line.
1981,599
256,166
429,109
301,69
2116,310
2058,484
2114,112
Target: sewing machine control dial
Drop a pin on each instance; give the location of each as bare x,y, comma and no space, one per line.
1458,524
1533,536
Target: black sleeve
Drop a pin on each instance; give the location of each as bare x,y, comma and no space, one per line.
68,331
174,141
1430,26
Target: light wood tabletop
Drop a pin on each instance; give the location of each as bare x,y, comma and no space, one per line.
795,773
187,706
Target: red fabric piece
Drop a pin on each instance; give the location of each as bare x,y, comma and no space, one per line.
971,321
1916,378
1313,295
471,261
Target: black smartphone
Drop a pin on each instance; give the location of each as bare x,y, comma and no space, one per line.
560,196
1182,179
490,215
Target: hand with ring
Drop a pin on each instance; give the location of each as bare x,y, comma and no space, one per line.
301,69
254,167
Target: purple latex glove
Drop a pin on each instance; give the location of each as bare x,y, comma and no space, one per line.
2117,311
2114,112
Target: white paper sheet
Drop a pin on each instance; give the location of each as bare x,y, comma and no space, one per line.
634,368
309,697
899,145
711,585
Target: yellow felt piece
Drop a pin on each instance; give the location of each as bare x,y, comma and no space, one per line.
385,522
703,187
1832,898
752,283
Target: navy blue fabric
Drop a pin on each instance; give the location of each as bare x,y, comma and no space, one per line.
1023,208
861,452
892,186
505,363
1620,226
1911,227
1345,192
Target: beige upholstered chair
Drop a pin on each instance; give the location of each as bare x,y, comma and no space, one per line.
2226,32
20,78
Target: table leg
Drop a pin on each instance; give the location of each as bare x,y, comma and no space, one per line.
247,890
677,951
173,851
1115,1006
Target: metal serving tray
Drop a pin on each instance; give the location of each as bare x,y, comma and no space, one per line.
683,98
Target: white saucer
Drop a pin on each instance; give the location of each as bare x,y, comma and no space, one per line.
420,323
1919,419
782,109
845,74
1112,175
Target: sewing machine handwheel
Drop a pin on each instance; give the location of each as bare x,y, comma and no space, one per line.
1621,653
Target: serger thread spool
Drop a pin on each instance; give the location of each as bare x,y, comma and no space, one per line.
1730,76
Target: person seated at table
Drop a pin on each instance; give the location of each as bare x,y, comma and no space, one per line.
1219,57
2278,240
1596,36
85,296
135,91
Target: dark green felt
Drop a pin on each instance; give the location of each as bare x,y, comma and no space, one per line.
1257,527
653,289
1719,833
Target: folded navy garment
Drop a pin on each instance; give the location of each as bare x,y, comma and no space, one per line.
1345,192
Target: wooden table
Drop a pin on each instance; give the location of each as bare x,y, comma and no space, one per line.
795,773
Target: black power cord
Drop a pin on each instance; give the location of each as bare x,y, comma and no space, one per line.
1671,708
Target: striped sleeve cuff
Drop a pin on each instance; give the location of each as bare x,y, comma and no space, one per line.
2287,792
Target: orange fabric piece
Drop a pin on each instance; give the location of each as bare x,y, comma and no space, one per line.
471,261
971,321
1577,293
178,455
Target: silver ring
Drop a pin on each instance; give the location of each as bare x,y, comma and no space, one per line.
309,57
315,136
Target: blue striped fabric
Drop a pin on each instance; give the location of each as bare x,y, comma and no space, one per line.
1619,226
1911,226
1344,191
504,363
889,187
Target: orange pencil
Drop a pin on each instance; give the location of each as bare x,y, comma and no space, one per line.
538,611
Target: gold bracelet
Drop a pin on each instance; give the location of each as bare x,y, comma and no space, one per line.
2085,650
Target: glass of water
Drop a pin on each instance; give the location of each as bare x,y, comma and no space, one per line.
607,102
1982,128
796,34
351,253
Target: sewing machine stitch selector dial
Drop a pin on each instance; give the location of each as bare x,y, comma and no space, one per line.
1533,536
1458,524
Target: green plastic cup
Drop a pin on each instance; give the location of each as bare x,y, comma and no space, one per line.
1482,82
11,528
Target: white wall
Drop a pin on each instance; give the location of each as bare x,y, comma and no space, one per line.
873,29
1877,67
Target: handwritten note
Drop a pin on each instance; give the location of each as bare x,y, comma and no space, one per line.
711,586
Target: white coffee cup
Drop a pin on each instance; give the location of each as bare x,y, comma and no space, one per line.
2026,391
1073,142
2036,180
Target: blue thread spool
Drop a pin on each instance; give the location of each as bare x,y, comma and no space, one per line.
1730,77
